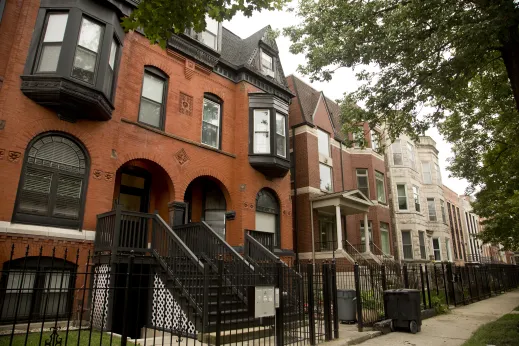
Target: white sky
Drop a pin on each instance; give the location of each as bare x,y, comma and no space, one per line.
343,81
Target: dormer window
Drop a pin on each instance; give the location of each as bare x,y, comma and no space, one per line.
267,64
210,36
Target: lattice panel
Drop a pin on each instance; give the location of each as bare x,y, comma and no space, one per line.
100,295
166,312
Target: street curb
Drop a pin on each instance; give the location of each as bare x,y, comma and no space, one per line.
362,338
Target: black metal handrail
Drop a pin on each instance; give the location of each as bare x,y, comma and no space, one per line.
378,252
263,260
266,239
207,245
353,251
183,266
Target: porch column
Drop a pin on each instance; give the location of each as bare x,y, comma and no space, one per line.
366,233
338,226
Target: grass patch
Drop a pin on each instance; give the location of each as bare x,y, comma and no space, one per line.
34,339
503,332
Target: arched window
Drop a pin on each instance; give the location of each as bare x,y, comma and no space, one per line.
53,182
267,215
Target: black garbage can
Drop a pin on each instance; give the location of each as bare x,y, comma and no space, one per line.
402,307
347,305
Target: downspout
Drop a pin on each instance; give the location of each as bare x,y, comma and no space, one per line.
294,200
342,170
312,228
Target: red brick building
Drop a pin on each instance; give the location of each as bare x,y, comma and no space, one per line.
344,187
92,117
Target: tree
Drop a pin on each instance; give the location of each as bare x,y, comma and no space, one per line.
450,63
159,19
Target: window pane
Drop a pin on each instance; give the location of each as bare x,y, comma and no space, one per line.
149,113
280,124
325,173
375,141
210,134
266,61
113,53
280,146
211,112
323,142
56,24
406,245
261,131
438,174
426,169
402,198
208,39
211,25
437,251
410,149
90,35
84,65
49,58
432,209
384,238
153,87
397,153
421,239
381,193
416,197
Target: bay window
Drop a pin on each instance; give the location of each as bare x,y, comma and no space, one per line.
268,140
416,196
211,121
407,245
52,41
410,149
362,182
72,64
402,196
85,61
426,171
432,209
396,148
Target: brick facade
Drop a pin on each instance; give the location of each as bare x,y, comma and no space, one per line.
174,156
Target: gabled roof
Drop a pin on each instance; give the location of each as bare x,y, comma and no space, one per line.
241,53
308,97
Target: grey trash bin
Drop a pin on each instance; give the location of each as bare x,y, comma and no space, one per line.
347,305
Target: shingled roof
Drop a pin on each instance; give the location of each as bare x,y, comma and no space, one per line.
308,97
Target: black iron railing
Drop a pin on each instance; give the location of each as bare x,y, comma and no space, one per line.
385,258
263,260
207,245
266,239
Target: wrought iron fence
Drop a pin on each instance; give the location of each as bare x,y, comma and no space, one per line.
58,296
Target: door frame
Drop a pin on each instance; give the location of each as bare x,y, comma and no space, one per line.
143,193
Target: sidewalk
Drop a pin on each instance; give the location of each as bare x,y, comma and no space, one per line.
454,328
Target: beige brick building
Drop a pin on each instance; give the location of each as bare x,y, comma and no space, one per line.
420,219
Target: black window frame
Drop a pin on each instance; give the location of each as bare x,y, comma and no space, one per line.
52,221
216,99
156,72
95,12
110,93
40,46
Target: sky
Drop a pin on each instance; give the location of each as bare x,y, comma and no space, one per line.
343,81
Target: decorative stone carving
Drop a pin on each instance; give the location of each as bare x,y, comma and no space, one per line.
2,154
109,176
181,156
98,174
189,69
14,156
186,104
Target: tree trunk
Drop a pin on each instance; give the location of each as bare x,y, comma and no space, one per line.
510,54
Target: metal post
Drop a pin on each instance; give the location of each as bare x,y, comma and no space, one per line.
311,304
406,277
117,232
423,287
428,288
333,274
219,302
327,303
450,282
279,312
356,275
124,336
445,285
383,273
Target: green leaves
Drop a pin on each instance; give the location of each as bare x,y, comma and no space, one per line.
449,63
159,19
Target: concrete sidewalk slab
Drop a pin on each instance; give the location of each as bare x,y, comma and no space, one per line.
455,328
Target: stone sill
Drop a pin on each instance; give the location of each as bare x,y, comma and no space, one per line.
16,229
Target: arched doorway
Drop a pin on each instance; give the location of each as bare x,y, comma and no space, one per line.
206,202
143,186
267,215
